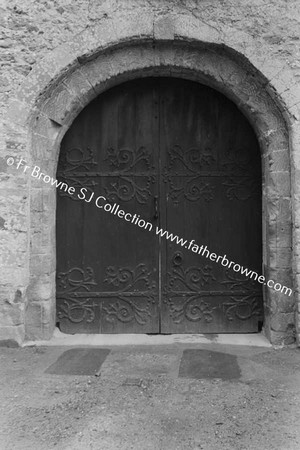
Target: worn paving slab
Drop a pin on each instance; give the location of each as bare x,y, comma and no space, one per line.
140,400
79,361
208,364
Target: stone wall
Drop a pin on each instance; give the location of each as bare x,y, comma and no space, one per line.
41,41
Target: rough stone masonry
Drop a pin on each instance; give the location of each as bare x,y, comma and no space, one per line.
56,56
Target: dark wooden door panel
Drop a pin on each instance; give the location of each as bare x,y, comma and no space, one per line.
109,150
211,193
185,152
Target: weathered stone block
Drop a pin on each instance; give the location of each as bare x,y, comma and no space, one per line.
281,322
14,211
293,112
284,235
97,72
42,219
279,161
163,59
35,332
296,277
194,59
79,86
58,61
46,127
281,182
12,332
36,82
280,258
60,104
285,274
191,28
40,320
18,112
43,199
11,314
295,155
164,28
14,131
41,242
283,79
9,343
291,96
38,313
287,305
41,148
16,146
91,41
19,274
137,58
297,184
43,263
138,25
280,338
13,251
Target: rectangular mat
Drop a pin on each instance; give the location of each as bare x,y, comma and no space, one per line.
79,361
206,364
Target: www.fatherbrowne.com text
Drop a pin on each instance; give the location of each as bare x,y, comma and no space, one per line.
102,203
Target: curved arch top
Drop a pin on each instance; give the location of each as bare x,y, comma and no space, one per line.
140,27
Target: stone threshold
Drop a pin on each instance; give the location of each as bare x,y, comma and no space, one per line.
61,339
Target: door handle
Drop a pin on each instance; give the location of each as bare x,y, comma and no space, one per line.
155,207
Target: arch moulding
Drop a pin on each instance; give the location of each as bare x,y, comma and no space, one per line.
61,85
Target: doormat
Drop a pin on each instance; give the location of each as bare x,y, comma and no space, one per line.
79,361
205,364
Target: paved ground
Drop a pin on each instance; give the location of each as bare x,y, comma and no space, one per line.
146,398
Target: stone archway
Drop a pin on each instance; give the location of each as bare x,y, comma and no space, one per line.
46,116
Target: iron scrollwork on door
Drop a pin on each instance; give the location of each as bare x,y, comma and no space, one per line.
126,159
125,189
121,182
193,159
191,278
131,301
190,174
241,189
238,166
127,185
73,300
125,309
76,169
244,299
187,164
243,308
182,295
235,281
188,288
238,160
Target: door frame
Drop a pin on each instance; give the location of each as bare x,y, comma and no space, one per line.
69,90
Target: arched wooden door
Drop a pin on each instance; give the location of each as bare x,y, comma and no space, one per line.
182,157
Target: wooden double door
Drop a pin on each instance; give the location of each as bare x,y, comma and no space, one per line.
182,157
